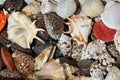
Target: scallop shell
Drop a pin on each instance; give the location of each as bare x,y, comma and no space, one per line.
93,8
66,8
23,62
113,74
21,29
109,16
32,8
52,70
79,27
44,56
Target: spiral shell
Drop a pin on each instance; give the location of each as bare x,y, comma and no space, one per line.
66,8
92,8
109,16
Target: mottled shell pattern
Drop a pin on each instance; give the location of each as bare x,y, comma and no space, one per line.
79,27
21,29
32,8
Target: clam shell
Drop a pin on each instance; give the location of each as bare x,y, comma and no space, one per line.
32,8
44,56
66,8
52,70
109,16
93,8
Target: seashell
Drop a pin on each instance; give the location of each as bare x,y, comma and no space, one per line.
69,69
113,74
47,6
93,8
79,27
44,56
100,29
52,21
32,8
117,40
109,16
66,8
7,58
52,70
22,30
23,62
14,5
82,1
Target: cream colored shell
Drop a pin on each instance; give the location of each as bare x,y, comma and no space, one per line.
93,8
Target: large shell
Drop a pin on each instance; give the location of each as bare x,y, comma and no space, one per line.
92,8
21,29
80,27
52,70
44,56
32,8
109,16
113,74
66,8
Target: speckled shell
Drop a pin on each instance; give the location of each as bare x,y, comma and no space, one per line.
23,62
93,8
66,8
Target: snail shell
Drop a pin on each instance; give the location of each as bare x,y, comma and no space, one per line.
66,8
109,16
93,8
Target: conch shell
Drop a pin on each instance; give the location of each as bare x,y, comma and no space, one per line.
79,27
52,70
93,8
109,16
32,8
21,29
66,8
44,56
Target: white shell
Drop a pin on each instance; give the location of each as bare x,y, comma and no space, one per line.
47,6
113,74
93,8
66,8
2,1
111,14
32,8
21,29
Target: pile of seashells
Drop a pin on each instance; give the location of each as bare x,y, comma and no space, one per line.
60,40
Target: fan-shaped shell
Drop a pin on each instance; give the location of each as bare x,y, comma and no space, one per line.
66,8
93,8
111,14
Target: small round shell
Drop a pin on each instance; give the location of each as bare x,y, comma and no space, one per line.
23,62
93,8
66,8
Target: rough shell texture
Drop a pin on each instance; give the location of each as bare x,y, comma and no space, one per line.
109,16
54,25
14,5
23,62
21,29
66,8
93,8
52,70
32,8
79,27
113,74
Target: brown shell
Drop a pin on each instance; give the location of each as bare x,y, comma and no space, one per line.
23,62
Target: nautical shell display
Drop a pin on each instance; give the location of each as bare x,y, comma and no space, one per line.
44,56
79,27
93,8
22,30
66,8
23,62
52,70
32,8
113,74
109,16
54,25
